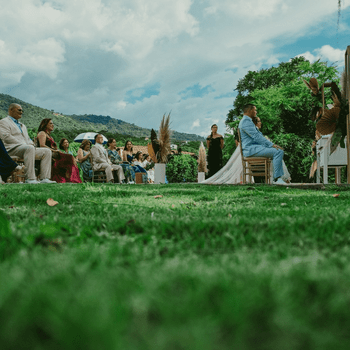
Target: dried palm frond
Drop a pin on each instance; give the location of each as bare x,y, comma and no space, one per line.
313,169
335,89
336,102
154,141
314,86
151,153
202,159
164,139
315,113
344,84
328,121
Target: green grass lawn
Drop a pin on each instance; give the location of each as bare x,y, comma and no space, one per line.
203,267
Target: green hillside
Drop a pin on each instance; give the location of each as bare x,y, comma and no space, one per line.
33,115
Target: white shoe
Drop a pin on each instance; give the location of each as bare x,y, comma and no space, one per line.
131,182
47,181
280,182
32,182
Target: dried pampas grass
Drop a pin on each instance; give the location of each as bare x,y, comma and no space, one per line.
164,139
202,159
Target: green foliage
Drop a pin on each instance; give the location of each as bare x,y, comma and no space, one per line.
297,156
182,168
229,148
191,146
73,147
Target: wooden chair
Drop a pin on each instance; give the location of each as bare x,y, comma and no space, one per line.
254,166
100,176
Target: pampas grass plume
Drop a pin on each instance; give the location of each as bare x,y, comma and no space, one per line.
164,139
202,159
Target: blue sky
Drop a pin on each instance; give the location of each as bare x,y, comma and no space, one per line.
138,59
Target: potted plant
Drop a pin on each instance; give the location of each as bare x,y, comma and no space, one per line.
161,149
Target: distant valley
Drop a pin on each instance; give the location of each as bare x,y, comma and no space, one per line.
33,115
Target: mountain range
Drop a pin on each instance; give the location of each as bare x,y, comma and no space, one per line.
33,115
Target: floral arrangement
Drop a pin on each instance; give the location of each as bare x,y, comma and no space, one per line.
328,121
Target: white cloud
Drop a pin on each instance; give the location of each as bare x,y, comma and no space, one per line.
89,54
196,124
327,53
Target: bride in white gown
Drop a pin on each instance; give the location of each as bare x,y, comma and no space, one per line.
232,172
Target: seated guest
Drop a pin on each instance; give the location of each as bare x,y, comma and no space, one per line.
64,168
115,158
100,161
17,143
254,144
64,146
129,157
149,166
7,165
84,158
138,164
127,152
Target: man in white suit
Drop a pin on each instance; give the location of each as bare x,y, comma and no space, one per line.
17,143
100,160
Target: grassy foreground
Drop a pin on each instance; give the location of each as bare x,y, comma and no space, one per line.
203,267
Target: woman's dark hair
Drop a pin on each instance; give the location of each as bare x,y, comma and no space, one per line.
138,155
110,140
211,134
84,143
255,120
61,144
145,156
43,124
126,144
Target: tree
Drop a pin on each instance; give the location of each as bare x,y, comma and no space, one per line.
284,103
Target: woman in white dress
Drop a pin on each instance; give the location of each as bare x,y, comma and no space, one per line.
232,172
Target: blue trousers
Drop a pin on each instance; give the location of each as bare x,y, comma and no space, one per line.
277,157
7,165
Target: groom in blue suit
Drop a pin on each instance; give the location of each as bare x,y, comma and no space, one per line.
254,144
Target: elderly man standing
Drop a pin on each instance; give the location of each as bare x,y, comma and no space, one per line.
100,160
17,143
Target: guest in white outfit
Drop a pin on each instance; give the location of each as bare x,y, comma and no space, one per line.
100,160
17,143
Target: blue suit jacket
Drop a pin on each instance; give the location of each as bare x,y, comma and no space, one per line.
252,139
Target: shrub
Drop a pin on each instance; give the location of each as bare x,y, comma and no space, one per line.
182,168
297,155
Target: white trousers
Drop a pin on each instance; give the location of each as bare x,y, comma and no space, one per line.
108,168
30,154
